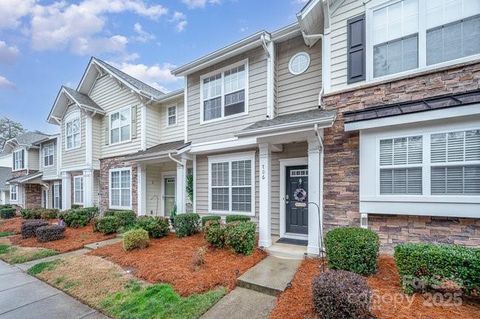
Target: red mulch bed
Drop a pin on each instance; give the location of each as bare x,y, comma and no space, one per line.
296,302
75,238
12,225
169,260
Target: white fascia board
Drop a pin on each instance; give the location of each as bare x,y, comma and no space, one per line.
170,96
452,112
223,145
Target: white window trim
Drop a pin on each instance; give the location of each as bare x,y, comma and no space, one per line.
293,57
222,70
119,132
168,116
14,168
56,185
110,188
229,158
16,193
422,46
75,199
45,147
73,117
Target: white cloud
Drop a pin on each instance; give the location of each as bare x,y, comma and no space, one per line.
8,54
194,4
5,83
142,35
11,12
180,20
156,75
78,27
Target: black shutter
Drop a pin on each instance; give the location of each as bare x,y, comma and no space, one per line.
356,49
23,159
60,196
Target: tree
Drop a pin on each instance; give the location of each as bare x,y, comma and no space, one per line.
9,129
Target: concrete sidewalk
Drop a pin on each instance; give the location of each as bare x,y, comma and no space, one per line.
25,297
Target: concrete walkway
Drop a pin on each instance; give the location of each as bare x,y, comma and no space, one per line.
25,297
255,295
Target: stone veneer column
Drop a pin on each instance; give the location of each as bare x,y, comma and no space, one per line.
66,190
265,214
314,172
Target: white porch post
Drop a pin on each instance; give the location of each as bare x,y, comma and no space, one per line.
265,214
313,195
88,188
66,191
142,189
180,191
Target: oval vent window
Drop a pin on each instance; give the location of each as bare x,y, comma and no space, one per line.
299,63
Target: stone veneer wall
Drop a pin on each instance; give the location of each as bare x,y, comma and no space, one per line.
105,166
33,195
341,161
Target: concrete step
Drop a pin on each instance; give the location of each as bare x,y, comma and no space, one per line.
271,276
287,251
99,244
242,303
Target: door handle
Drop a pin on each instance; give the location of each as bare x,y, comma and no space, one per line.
287,199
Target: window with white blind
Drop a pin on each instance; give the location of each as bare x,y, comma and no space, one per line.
18,160
224,92
72,134
121,188
455,160
48,152
231,182
78,190
401,165
120,126
14,193
172,115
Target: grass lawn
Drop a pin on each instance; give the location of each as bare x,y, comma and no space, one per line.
6,233
107,287
19,255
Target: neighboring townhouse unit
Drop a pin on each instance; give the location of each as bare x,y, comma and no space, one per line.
5,175
51,193
117,138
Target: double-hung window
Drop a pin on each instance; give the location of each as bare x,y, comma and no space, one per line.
57,196
14,193
224,92
120,126
120,188
18,160
232,181
72,134
172,115
48,152
78,190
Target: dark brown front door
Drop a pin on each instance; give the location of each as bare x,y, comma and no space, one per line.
297,192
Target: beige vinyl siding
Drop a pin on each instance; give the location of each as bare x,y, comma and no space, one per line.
338,41
112,97
296,93
74,157
154,187
174,132
33,159
257,98
49,172
154,128
97,140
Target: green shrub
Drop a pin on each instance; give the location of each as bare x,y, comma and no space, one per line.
48,213
37,213
187,224
75,206
125,218
80,217
426,266
106,225
205,219
30,213
50,233
6,206
155,226
353,249
135,238
7,213
237,218
240,237
214,233
341,294
29,227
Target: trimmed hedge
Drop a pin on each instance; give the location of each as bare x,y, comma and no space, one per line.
125,218
7,213
205,219
106,225
156,227
80,217
135,238
39,213
30,226
341,294
353,249
240,237
50,233
428,266
237,218
214,233
6,206
187,224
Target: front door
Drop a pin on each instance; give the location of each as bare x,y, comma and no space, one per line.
296,216
168,195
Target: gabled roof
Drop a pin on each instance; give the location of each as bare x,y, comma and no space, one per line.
27,139
24,179
160,149
82,99
5,175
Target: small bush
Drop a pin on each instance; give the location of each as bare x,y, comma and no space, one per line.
156,227
106,225
50,233
7,213
28,213
39,213
187,224
75,206
198,258
205,219
125,218
240,237
341,294
353,249
29,227
48,213
214,233
428,266
236,218
6,206
80,217
135,238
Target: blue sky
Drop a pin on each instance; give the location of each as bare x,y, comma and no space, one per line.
44,44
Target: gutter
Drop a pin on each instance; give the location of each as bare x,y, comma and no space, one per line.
174,159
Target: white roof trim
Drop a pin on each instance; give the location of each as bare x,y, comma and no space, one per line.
83,106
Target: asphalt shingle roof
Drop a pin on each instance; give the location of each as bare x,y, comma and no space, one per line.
81,98
139,85
30,138
5,175
162,148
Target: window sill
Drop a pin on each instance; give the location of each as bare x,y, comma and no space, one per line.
73,148
225,118
217,212
119,143
120,207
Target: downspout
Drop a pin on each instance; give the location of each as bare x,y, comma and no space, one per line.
320,141
269,48
174,159
316,37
